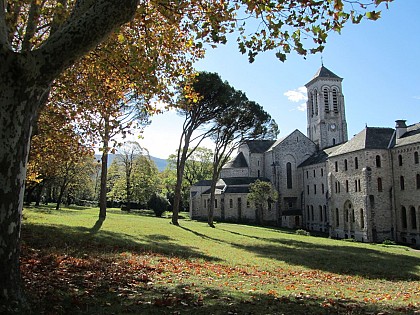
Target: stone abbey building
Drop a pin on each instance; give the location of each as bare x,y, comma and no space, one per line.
366,188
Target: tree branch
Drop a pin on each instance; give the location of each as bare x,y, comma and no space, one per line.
82,31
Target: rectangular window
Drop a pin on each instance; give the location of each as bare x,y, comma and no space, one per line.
322,172
379,184
314,174
230,203
314,189
307,189
347,186
336,166
322,189
215,203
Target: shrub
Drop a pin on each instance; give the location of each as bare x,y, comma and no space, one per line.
302,232
159,204
388,242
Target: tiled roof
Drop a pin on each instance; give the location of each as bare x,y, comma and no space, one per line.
411,136
242,180
203,182
238,162
369,138
259,146
323,72
320,156
237,190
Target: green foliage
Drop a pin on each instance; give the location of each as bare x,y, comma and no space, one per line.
261,193
144,180
159,204
302,232
389,242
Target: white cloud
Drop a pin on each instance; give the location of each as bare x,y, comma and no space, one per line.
296,95
302,107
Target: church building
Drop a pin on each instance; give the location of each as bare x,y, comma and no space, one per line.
366,188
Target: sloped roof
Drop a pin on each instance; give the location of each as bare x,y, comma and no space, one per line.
237,190
292,134
229,181
259,146
411,136
203,182
323,72
369,138
238,162
320,156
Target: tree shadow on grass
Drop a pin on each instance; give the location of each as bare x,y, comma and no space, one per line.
341,259
83,240
338,257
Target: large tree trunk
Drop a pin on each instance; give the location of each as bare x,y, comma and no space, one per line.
25,80
19,103
182,158
103,189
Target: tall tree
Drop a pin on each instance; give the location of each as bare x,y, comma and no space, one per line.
128,155
241,120
200,103
40,39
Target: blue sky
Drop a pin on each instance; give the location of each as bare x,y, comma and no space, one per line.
379,62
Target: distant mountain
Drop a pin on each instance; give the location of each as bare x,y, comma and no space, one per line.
160,163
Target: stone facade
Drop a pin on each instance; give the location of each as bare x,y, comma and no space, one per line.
366,188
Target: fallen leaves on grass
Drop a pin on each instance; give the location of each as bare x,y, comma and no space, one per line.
59,282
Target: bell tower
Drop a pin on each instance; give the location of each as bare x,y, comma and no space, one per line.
326,118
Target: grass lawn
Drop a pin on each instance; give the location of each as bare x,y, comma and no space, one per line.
134,263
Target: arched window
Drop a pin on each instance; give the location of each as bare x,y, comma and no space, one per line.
402,184
326,101
413,218
345,164
325,214
362,219
403,217
312,213
347,185
378,161
316,102
320,214
379,184
307,208
356,163
289,175
311,101
416,157
336,166
335,100
418,181
400,160
323,189
337,218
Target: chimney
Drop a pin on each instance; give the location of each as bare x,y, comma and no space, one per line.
400,127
